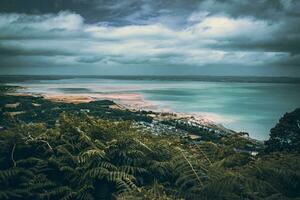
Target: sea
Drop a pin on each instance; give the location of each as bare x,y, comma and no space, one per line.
248,104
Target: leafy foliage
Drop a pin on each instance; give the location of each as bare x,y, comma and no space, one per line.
85,157
285,136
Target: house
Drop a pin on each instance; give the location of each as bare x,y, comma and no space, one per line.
85,110
194,137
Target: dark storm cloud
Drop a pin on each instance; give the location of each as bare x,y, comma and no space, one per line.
7,50
145,32
89,59
283,13
262,9
116,12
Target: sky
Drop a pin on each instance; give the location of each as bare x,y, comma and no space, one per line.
150,37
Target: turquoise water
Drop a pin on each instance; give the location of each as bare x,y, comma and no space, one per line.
251,107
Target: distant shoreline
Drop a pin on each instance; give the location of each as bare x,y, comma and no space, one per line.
238,79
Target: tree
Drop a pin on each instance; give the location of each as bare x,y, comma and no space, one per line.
285,136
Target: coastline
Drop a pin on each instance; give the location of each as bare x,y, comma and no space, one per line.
133,102
244,107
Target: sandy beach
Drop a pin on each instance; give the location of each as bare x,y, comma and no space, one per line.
127,100
133,102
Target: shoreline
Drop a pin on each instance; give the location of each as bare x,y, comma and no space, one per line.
133,102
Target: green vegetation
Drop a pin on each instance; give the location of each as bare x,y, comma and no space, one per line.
57,151
285,136
30,109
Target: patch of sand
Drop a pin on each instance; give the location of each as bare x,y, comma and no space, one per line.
12,114
12,105
126,100
68,98
19,94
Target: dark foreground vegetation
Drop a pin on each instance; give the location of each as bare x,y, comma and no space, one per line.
90,151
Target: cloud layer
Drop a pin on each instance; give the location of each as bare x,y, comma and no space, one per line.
207,34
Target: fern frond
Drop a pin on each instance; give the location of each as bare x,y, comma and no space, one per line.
116,175
107,165
132,169
123,186
8,174
55,193
91,153
97,172
12,194
85,193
